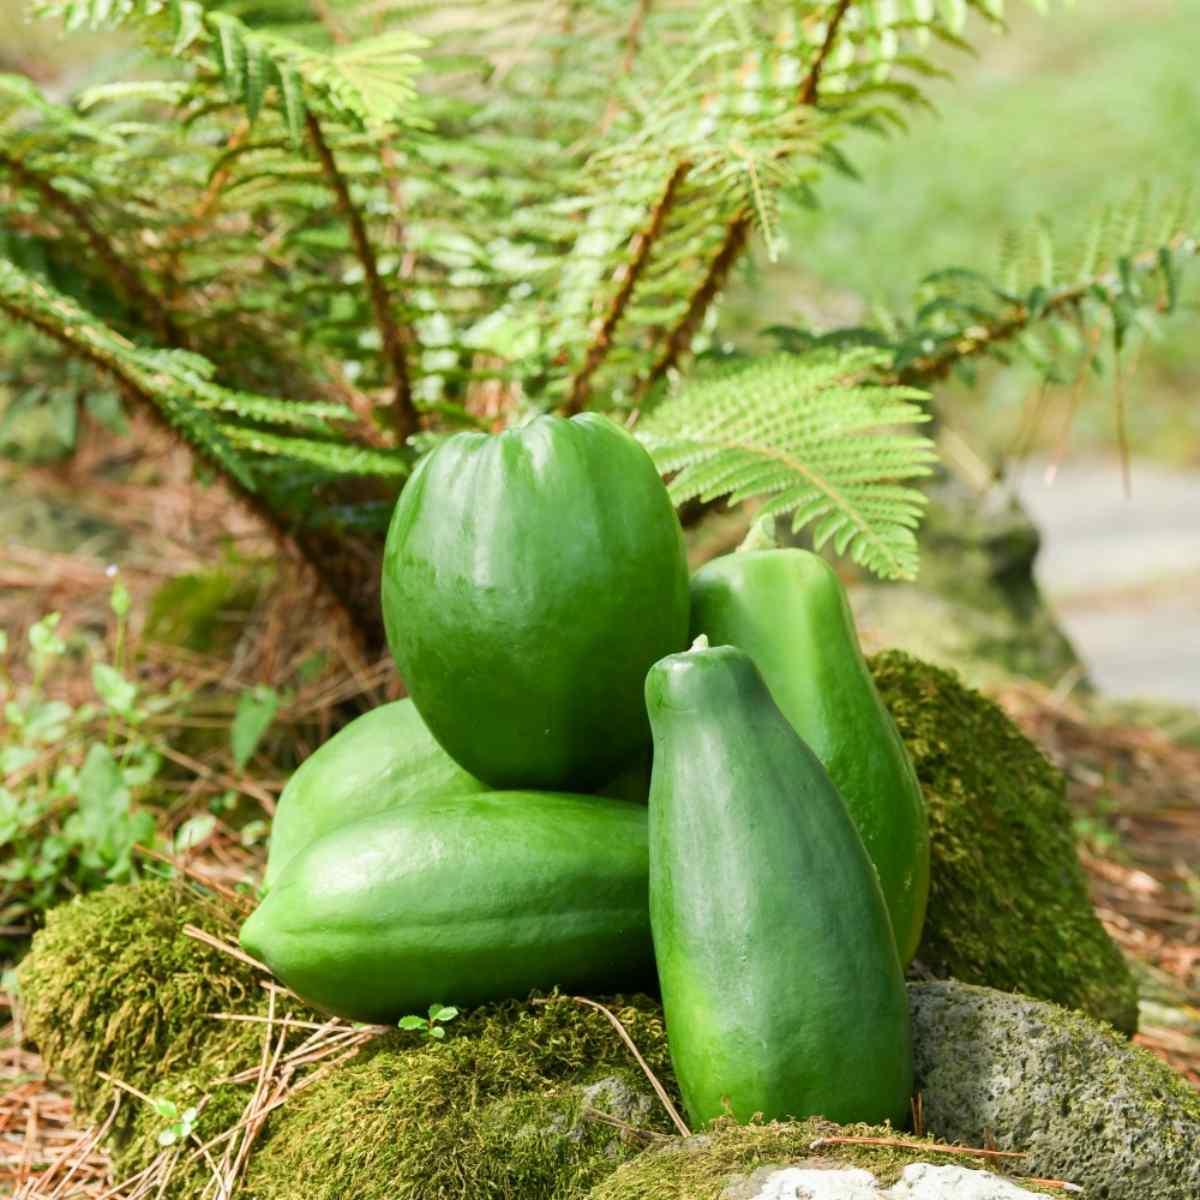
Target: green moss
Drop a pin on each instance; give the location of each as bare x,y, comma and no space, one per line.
707,1167
203,611
494,1111
113,987
1008,904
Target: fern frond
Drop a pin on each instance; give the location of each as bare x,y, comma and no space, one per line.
814,437
369,82
180,387
1121,269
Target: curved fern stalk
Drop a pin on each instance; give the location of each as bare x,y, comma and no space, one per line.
176,388
816,438
1119,289
179,388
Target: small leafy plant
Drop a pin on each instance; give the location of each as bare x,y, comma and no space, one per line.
431,1026
182,1123
75,777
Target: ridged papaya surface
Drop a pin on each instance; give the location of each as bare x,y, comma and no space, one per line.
530,579
379,760
788,610
780,980
460,900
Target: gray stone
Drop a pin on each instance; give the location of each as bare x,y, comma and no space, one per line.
918,1181
923,1181
1086,1105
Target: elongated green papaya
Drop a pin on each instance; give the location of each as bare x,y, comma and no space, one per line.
788,610
459,900
379,760
530,579
780,981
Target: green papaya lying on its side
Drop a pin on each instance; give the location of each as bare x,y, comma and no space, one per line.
460,900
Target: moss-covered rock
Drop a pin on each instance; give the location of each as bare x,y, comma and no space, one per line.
512,1104
1086,1105
114,988
1008,903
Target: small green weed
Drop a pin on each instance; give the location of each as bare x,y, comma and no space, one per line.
181,1122
431,1026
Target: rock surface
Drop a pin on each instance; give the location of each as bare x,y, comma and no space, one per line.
1086,1105
918,1181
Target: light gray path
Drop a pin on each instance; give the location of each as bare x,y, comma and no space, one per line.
1123,572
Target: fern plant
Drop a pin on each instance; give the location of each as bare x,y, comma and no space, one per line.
315,238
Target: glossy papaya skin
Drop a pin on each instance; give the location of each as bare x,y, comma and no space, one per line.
461,900
379,760
781,985
788,610
530,579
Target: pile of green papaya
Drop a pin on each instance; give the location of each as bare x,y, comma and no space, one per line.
572,797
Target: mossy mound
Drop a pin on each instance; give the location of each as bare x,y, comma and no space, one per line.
1008,902
735,1162
506,1107
114,988
511,1104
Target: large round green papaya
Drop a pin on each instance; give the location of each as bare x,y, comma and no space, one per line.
530,580
379,760
460,900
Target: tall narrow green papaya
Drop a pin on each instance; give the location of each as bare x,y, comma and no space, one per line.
530,579
781,985
788,610
379,760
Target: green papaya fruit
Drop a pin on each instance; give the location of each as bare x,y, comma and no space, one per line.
788,610
379,760
781,984
530,579
460,900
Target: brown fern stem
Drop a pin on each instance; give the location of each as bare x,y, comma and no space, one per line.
404,415
643,242
125,277
633,44
737,233
810,88
202,210
679,341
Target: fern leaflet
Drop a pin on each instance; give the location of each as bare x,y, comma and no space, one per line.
815,438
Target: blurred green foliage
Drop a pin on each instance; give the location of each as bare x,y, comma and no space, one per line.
1071,111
